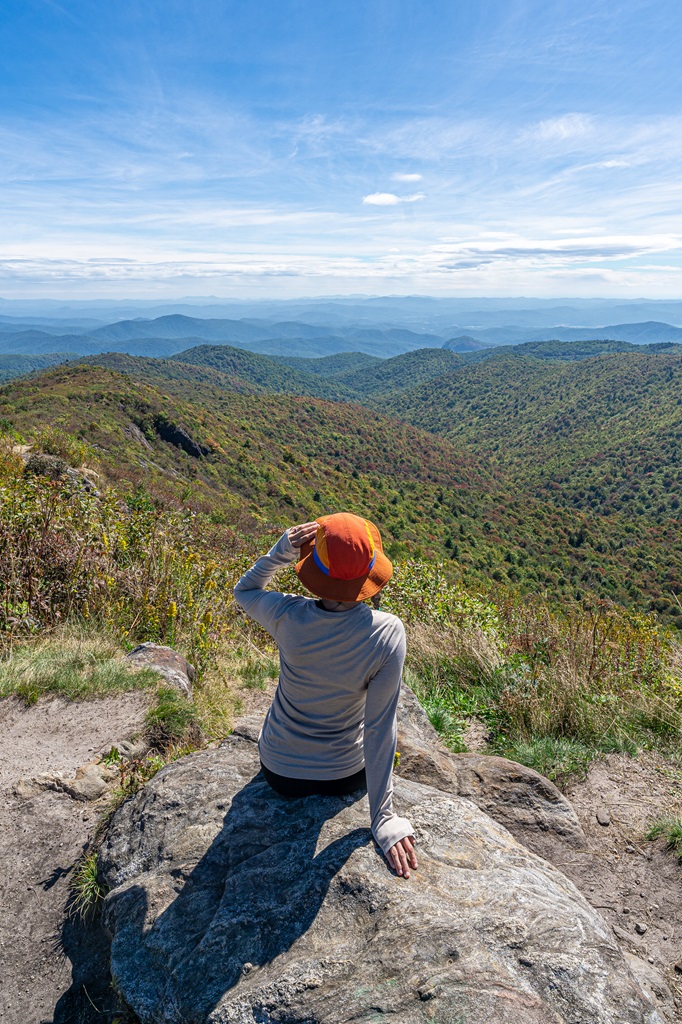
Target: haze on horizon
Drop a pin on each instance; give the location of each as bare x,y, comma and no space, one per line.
506,147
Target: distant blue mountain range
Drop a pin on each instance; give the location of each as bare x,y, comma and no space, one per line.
171,333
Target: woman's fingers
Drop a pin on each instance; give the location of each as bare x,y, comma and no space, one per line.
409,844
395,857
298,535
402,858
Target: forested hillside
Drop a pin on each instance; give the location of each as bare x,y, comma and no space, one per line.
604,433
465,483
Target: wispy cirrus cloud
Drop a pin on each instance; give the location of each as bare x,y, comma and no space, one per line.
203,194
570,126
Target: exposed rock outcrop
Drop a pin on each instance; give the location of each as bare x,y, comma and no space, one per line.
229,903
179,438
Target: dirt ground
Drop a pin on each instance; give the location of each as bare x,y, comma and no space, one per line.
635,884
631,882
42,834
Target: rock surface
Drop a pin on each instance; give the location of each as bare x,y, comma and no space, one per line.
526,803
174,668
229,903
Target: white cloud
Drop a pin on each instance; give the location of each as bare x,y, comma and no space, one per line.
407,177
390,199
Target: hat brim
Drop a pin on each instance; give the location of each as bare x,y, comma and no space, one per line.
359,589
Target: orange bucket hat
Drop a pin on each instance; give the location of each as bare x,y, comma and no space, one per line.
345,561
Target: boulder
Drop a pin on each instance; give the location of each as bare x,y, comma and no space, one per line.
173,667
229,904
526,803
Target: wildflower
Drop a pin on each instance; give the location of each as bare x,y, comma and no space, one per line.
172,610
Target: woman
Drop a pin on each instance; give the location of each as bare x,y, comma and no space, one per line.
331,727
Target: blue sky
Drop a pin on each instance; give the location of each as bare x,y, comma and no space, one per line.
498,147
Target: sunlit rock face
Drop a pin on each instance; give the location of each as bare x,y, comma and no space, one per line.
229,903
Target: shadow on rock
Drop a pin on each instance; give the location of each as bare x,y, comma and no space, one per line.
90,996
255,891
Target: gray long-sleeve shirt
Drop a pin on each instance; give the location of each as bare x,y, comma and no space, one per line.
335,704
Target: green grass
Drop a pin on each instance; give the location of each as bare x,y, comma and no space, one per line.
174,719
670,829
86,891
71,665
558,758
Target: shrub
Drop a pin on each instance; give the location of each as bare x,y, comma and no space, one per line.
53,441
554,690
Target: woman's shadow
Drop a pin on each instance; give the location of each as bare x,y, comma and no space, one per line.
256,890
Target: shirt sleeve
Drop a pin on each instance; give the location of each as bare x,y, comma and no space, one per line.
380,739
266,606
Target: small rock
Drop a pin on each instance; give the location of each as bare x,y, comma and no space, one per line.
624,936
630,849
28,787
653,983
604,816
677,967
132,749
249,726
650,959
641,928
626,910
91,782
174,668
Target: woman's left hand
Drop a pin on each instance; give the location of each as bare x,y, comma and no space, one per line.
299,535
402,857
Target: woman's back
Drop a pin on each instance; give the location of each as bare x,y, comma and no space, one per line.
327,660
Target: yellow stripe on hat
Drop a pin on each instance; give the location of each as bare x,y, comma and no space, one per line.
321,554
371,538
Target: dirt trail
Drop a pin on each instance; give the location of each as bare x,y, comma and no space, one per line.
42,834
59,735
635,884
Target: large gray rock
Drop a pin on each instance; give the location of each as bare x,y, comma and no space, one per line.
229,903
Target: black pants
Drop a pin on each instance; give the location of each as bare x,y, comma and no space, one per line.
314,787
